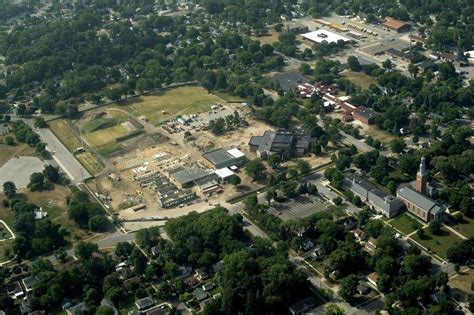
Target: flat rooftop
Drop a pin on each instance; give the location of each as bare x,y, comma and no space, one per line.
192,174
321,35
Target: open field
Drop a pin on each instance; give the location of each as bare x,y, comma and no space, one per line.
90,162
3,247
438,244
175,102
105,136
267,39
229,97
465,227
359,78
381,135
19,149
404,223
463,281
61,129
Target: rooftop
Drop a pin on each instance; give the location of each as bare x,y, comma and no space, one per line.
419,200
221,156
189,175
394,23
321,35
365,112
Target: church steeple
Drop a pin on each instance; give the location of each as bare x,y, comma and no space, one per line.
421,177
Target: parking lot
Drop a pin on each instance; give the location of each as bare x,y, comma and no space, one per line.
199,121
300,207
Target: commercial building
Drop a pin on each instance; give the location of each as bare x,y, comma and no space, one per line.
283,143
386,204
295,28
396,25
364,115
221,158
420,205
188,177
321,36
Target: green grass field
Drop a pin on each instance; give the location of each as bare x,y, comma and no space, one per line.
465,227
105,136
359,78
60,128
175,102
99,123
463,281
438,244
404,223
90,162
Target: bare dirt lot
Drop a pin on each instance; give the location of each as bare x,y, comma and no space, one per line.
206,140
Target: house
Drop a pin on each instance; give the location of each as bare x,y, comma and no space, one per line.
4,129
191,282
221,158
306,244
396,25
145,303
208,286
373,278
370,246
364,115
14,290
368,193
359,235
184,271
200,294
28,283
302,306
218,266
201,275
78,309
420,205
363,288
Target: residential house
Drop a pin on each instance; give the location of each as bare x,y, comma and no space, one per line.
302,306
14,290
372,279
145,303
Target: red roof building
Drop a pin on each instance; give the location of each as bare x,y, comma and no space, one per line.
396,25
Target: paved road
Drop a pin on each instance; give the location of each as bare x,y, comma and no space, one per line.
65,159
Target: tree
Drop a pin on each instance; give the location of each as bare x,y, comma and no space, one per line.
334,176
98,223
459,253
235,180
254,168
84,250
271,195
104,310
51,173
353,63
305,69
36,182
303,166
9,189
333,309
420,232
397,145
435,227
123,249
274,161
348,287
9,141
388,65
40,123
414,70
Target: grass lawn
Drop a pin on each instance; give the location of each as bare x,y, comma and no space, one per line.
175,102
359,78
229,97
19,149
105,136
3,246
90,162
465,227
404,223
267,39
381,135
463,281
438,244
61,129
